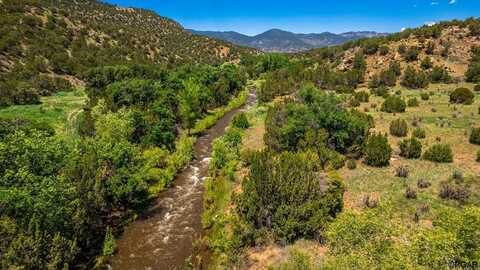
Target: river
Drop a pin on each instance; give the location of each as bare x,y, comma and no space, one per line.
164,237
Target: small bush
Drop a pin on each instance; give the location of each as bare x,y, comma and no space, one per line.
462,96
419,133
476,88
422,184
402,172
399,128
362,96
393,104
426,63
440,75
410,193
478,156
377,151
457,175
454,191
240,121
351,164
475,136
425,96
441,153
109,245
370,202
380,91
383,50
411,54
413,102
411,148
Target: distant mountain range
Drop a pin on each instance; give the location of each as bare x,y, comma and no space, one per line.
276,40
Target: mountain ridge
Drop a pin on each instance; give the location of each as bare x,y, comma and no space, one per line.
278,40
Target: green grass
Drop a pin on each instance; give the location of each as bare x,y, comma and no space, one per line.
58,110
443,122
211,119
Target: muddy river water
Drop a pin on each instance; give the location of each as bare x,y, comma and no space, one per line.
164,237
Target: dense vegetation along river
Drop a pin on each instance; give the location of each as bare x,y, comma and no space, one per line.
164,238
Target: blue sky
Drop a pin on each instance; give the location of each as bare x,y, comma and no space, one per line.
307,16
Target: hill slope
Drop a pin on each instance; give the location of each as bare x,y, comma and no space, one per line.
447,45
64,38
284,41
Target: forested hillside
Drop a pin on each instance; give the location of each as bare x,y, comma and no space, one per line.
46,46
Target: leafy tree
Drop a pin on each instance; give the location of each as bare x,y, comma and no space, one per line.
377,151
414,79
190,103
284,194
462,96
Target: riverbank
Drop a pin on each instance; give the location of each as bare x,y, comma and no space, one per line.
227,169
163,237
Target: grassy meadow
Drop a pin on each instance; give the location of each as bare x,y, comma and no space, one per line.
59,110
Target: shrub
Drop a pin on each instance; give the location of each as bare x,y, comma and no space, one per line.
476,88
462,96
413,102
362,96
109,245
425,96
475,136
240,121
422,184
440,75
426,63
414,79
285,194
411,148
450,190
393,104
351,164
381,91
419,133
410,193
411,54
441,153
399,128
430,48
457,175
402,172
383,50
377,151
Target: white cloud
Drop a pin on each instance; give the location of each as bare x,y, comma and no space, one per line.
430,23
403,29
452,2
433,3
